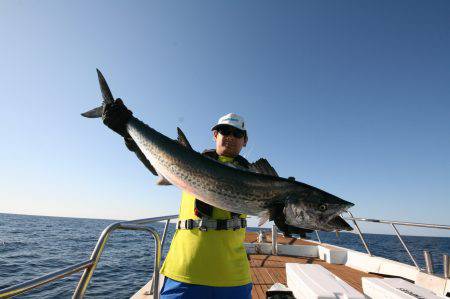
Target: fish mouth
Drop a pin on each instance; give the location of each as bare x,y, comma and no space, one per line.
336,224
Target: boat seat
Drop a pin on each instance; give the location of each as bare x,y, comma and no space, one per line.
394,288
308,281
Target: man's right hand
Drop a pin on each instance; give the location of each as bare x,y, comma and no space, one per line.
116,116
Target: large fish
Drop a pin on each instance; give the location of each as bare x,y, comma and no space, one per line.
271,197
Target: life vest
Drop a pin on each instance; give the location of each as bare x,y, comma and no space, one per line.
193,251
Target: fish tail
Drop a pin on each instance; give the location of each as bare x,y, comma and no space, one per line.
94,113
107,98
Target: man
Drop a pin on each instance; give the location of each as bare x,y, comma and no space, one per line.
207,257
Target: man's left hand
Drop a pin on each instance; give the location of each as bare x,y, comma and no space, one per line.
116,117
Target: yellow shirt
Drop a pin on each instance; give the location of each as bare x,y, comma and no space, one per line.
212,258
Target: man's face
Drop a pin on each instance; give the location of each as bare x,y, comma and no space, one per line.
226,143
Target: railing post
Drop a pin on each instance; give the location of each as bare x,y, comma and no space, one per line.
157,266
404,246
152,287
163,239
95,257
359,233
274,240
261,236
446,266
317,235
428,262
157,260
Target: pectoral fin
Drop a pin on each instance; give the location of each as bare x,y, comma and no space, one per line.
162,181
278,216
263,217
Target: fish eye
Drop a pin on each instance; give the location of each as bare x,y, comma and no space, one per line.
323,207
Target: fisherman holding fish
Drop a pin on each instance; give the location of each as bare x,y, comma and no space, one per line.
207,257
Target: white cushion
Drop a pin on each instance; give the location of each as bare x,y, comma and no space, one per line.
394,288
308,281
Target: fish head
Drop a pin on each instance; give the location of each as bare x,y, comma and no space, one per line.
314,210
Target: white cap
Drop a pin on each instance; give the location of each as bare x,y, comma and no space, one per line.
231,119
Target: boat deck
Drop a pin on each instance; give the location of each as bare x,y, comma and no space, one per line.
269,269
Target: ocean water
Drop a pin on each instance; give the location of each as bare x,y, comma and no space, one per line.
31,246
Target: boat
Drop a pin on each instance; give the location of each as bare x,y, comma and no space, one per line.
300,268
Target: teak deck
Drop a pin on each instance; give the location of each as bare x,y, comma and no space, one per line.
269,269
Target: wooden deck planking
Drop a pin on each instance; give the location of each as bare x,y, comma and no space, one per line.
274,270
266,269
269,269
260,293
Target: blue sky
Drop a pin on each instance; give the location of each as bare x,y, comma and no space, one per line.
350,96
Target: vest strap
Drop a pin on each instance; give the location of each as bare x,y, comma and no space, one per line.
212,224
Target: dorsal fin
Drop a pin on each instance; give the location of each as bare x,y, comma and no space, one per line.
263,166
162,181
182,139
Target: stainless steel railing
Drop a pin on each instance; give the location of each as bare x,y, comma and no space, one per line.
90,265
393,224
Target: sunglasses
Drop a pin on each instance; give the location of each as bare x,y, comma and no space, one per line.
225,131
